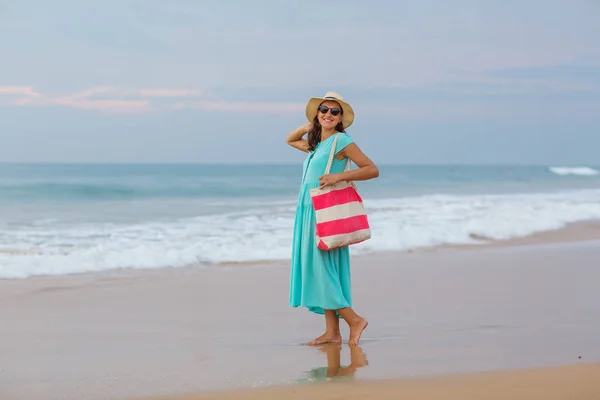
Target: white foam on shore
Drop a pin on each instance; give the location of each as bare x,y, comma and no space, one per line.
56,248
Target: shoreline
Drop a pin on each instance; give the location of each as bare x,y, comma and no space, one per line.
546,383
571,232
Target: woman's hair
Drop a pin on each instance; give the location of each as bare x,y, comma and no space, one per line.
314,135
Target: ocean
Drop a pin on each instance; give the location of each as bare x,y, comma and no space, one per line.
58,219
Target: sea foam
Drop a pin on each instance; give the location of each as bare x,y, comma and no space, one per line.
55,247
583,171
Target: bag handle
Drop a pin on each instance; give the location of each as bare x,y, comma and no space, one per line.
332,154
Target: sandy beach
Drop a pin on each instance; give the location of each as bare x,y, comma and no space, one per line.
473,322
551,383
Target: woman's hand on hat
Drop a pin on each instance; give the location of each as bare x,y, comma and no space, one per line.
329,179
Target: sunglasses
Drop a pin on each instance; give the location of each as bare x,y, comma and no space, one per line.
334,111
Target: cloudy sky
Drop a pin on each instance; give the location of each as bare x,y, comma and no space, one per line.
465,81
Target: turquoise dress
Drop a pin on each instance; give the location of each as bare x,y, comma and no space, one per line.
319,279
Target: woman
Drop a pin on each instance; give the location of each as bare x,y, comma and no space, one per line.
320,280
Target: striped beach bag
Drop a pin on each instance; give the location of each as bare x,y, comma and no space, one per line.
340,213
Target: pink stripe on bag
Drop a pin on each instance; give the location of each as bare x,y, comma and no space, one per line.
335,198
342,226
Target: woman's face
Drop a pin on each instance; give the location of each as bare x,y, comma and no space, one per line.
327,119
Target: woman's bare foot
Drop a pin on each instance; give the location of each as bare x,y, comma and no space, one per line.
356,329
327,337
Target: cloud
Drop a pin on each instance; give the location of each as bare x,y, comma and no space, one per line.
224,105
167,46
169,93
26,95
19,90
121,106
158,92
126,100
580,72
87,93
467,94
101,98
547,78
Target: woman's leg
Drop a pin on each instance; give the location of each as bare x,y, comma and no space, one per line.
332,330
356,323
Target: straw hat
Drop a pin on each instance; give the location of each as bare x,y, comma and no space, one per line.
313,105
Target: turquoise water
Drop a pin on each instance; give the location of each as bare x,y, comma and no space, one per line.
57,219
73,183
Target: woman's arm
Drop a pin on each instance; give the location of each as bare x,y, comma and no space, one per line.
366,168
294,138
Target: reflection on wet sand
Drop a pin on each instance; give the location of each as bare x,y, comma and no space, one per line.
334,369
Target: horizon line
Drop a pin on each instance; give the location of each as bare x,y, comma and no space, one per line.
191,163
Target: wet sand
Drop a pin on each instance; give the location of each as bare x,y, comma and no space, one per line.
551,383
133,334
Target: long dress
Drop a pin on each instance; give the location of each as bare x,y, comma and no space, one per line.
319,279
